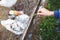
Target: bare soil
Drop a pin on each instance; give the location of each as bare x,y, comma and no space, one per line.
25,5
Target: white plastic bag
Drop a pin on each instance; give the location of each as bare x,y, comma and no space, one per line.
17,25
22,18
7,3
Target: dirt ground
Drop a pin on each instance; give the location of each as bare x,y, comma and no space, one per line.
25,5
3,14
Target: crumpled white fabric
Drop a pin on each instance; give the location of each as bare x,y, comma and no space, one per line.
18,25
7,3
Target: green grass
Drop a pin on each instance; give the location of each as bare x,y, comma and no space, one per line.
46,27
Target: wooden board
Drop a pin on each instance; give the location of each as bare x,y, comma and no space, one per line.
28,6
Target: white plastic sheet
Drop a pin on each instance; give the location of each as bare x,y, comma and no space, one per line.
17,25
7,3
